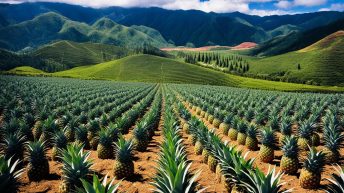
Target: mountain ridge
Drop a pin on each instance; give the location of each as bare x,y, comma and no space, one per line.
52,26
182,26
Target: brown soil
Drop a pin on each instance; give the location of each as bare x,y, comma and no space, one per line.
292,181
144,163
207,178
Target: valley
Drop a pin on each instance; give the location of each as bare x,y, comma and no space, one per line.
171,96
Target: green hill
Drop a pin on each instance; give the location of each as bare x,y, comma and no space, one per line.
51,27
295,40
73,54
147,68
62,55
322,63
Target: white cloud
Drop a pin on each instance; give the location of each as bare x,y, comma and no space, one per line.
219,6
334,7
337,7
261,12
284,4
309,3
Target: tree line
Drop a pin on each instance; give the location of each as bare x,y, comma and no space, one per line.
227,63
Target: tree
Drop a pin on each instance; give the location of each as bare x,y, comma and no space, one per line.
299,66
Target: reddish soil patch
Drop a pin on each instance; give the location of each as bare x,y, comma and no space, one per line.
245,46
292,181
200,49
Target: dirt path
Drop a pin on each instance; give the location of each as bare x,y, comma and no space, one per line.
145,163
207,178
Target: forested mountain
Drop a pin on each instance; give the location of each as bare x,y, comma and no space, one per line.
51,27
179,26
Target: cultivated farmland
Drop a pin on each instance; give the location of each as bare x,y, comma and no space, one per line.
66,135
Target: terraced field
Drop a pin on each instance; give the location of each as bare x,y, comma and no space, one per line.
166,137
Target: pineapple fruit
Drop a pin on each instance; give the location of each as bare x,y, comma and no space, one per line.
241,138
290,159
310,175
140,140
267,152
124,165
251,140
105,148
38,166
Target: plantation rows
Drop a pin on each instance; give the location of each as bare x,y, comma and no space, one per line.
66,135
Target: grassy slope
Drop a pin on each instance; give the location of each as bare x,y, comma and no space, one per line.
146,68
320,62
74,54
25,70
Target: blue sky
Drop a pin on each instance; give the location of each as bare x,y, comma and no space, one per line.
253,7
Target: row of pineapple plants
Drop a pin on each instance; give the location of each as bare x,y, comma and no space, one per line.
33,154
173,169
306,132
145,129
310,175
230,166
289,163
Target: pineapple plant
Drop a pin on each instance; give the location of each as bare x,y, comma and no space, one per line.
48,128
264,183
333,141
212,163
70,129
99,187
290,159
26,131
267,152
313,166
59,142
233,132
37,130
13,146
9,174
69,133
104,120
337,181
93,128
75,166
204,109
285,128
210,118
185,115
105,148
304,133
124,165
274,122
198,111
251,140
81,136
140,137
218,116
241,127
198,148
225,125
38,166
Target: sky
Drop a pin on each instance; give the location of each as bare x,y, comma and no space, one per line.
253,7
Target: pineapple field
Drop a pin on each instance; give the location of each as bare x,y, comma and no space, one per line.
92,136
